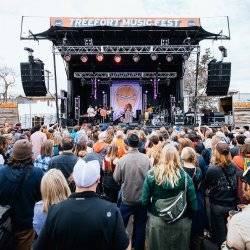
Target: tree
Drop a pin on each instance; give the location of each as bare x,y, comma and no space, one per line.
7,80
203,101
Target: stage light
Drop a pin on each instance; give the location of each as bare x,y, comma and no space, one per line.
136,58
185,57
169,58
84,58
117,58
67,57
99,57
153,56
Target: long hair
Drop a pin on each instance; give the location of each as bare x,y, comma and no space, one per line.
112,155
169,166
47,148
54,188
220,159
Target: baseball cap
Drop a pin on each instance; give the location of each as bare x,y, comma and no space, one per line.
85,174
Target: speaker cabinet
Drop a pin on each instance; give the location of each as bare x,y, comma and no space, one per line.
219,74
32,75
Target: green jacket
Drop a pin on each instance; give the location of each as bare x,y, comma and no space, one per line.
151,191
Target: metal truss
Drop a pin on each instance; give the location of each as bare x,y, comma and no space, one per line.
125,75
126,50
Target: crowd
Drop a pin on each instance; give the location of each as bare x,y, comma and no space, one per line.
108,187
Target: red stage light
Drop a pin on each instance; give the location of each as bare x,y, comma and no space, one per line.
84,58
117,58
100,57
67,57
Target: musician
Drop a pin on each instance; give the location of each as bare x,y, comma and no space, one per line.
103,114
128,116
148,116
91,114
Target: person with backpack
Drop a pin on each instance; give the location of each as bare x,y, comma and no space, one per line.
221,182
169,194
199,220
20,189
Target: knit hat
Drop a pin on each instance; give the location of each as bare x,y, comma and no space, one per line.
85,174
22,150
223,148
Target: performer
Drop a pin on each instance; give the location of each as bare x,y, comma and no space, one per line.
103,113
91,114
128,114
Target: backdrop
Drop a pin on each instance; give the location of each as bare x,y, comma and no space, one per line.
124,92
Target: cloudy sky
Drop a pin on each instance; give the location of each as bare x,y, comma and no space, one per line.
212,13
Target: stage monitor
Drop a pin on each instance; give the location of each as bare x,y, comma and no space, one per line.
32,75
219,74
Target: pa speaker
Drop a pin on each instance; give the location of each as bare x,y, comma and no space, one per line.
32,75
219,74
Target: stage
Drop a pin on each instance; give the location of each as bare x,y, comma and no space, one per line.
115,61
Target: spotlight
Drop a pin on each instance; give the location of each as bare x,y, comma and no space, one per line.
169,58
84,58
185,57
136,58
100,57
153,56
67,57
117,58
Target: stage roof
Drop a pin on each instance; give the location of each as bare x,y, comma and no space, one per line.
127,31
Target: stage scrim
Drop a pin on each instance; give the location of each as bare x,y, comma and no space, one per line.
124,92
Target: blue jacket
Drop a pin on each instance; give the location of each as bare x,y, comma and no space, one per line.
21,197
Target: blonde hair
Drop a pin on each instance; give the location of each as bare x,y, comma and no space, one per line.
54,188
188,155
220,159
169,166
47,148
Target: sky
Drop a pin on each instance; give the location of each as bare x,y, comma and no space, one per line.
212,15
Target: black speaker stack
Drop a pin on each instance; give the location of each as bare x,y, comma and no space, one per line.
32,75
219,74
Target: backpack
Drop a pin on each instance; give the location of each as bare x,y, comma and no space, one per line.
172,209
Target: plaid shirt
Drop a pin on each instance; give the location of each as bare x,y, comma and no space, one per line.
42,162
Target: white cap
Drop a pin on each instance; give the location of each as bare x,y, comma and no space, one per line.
85,174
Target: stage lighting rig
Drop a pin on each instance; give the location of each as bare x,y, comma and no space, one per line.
117,58
84,58
164,42
153,56
88,41
136,58
169,58
185,57
99,57
67,57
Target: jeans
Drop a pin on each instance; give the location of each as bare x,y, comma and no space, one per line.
139,225
219,216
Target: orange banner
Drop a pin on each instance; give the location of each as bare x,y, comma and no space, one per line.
81,22
8,105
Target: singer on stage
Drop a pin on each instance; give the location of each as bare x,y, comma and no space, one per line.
128,115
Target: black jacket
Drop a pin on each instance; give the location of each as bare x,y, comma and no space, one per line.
222,185
20,189
83,221
64,162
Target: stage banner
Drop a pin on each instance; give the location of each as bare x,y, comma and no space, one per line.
81,22
123,93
